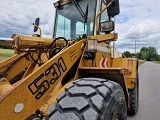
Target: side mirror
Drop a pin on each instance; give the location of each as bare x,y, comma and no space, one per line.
114,9
36,24
58,5
107,26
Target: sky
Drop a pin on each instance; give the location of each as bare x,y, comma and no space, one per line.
138,21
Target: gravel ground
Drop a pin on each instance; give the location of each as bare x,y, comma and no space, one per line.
149,106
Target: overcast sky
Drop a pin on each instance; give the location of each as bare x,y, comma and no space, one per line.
138,21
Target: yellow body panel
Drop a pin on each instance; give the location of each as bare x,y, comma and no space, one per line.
105,37
45,75
23,42
130,67
9,60
38,84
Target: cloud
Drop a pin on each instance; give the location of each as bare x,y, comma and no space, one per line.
138,21
18,17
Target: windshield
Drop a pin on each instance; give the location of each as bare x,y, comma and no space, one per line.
70,24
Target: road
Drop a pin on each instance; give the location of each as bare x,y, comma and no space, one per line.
149,99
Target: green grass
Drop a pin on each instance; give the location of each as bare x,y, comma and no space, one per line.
5,53
157,62
141,62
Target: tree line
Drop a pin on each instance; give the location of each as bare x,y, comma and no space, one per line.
6,46
146,53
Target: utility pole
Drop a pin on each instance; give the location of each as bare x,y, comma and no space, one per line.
135,48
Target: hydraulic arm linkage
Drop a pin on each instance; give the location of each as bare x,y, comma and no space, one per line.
20,99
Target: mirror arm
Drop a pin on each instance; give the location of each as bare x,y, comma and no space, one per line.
39,29
97,16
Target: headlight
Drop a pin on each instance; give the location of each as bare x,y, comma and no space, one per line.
107,26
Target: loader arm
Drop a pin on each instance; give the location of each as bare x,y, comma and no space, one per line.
77,74
23,98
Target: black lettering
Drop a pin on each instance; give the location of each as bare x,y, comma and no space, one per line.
39,86
53,72
61,64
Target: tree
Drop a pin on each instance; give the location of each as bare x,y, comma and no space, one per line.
152,54
138,55
158,57
143,53
127,54
6,46
149,53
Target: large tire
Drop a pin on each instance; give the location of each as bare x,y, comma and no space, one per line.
134,98
90,99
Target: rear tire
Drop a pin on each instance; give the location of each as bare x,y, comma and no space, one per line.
134,98
90,99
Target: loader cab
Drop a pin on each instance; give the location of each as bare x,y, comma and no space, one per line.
69,23
70,17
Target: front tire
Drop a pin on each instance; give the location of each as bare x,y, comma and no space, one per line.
134,98
90,99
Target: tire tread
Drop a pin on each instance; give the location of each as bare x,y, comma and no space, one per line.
86,100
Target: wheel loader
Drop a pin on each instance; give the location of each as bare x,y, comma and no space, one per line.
76,75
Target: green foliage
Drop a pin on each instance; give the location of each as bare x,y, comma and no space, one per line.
6,46
127,54
158,57
157,62
148,54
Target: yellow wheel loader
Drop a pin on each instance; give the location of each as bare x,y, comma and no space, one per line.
76,75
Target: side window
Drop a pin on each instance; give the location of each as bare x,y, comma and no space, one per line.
64,27
104,15
91,28
80,28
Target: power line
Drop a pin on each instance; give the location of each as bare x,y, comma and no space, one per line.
122,25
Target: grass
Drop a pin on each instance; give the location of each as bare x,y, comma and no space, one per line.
141,62
5,53
157,62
